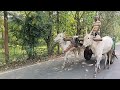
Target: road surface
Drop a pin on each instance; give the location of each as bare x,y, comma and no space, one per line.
52,70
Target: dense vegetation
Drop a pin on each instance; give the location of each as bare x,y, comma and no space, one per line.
31,33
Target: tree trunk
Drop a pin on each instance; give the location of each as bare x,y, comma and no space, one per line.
49,40
49,48
58,30
78,23
2,39
6,37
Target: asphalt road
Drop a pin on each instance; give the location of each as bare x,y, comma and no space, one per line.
52,70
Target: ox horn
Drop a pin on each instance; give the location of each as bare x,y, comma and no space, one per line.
90,32
86,32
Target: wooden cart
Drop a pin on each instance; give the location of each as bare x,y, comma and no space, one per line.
88,52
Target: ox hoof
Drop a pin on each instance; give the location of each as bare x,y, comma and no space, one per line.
94,76
99,70
62,67
108,67
104,67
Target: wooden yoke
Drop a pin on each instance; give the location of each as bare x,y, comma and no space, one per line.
70,38
81,39
97,39
67,39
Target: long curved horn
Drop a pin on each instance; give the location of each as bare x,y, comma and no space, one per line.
90,32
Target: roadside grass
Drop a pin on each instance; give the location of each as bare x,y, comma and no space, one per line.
17,54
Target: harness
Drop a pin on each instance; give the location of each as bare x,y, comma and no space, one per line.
75,42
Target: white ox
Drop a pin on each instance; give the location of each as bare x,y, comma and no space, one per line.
65,44
99,48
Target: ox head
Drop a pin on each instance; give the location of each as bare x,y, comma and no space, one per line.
59,37
88,39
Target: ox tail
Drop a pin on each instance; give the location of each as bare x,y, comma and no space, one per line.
113,48
114,55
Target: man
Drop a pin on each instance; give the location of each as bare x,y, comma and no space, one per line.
96,26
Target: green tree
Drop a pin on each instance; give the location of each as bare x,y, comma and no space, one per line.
58,29
107,20
27,32
6,37
2,29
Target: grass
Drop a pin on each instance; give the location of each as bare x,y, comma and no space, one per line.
41,50
17,54
18,57
14,53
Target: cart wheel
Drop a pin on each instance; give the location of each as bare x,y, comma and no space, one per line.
87,53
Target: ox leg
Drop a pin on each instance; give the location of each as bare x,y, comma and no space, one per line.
110,56
80,53
95,70
99,68
75,53
65,59
105,61
97,65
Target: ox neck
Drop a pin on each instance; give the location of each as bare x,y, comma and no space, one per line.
64,44
93,45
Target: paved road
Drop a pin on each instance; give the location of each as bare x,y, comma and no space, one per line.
52,70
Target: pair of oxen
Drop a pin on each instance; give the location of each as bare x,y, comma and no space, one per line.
90,45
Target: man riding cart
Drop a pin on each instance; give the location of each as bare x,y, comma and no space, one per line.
96,26
76,42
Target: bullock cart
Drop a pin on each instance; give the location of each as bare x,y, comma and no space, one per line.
88,52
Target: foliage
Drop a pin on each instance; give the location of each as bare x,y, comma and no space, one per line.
26,31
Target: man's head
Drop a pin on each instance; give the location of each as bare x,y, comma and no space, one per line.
97,18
